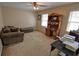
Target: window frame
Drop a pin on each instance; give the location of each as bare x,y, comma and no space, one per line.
43,20
69,21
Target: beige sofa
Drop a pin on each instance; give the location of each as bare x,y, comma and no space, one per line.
10,35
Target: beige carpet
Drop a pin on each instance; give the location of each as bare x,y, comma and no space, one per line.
34,44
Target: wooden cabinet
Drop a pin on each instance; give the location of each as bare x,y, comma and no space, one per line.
54,24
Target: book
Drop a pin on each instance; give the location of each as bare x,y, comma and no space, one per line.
61,53
73,46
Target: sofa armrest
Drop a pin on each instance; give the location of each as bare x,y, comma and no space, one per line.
12,34
27,30
1,47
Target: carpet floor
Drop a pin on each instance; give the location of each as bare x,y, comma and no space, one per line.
34,44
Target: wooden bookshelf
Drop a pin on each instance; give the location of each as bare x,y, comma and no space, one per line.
54,24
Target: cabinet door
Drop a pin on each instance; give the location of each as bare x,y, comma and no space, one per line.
47,32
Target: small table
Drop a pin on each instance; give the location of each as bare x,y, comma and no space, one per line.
60,46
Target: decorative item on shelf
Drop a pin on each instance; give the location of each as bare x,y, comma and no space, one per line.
54,24
39,16
54,18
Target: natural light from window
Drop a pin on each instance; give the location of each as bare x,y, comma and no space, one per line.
73,23
44,20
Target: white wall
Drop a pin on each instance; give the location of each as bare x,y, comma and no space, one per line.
1,25
1,20
18,18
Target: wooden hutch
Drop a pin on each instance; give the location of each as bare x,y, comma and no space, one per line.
54,24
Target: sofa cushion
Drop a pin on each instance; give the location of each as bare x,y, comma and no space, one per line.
6,30
14,29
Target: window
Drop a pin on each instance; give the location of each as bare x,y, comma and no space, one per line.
44,20
73,23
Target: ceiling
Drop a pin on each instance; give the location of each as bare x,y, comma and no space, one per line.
26,6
